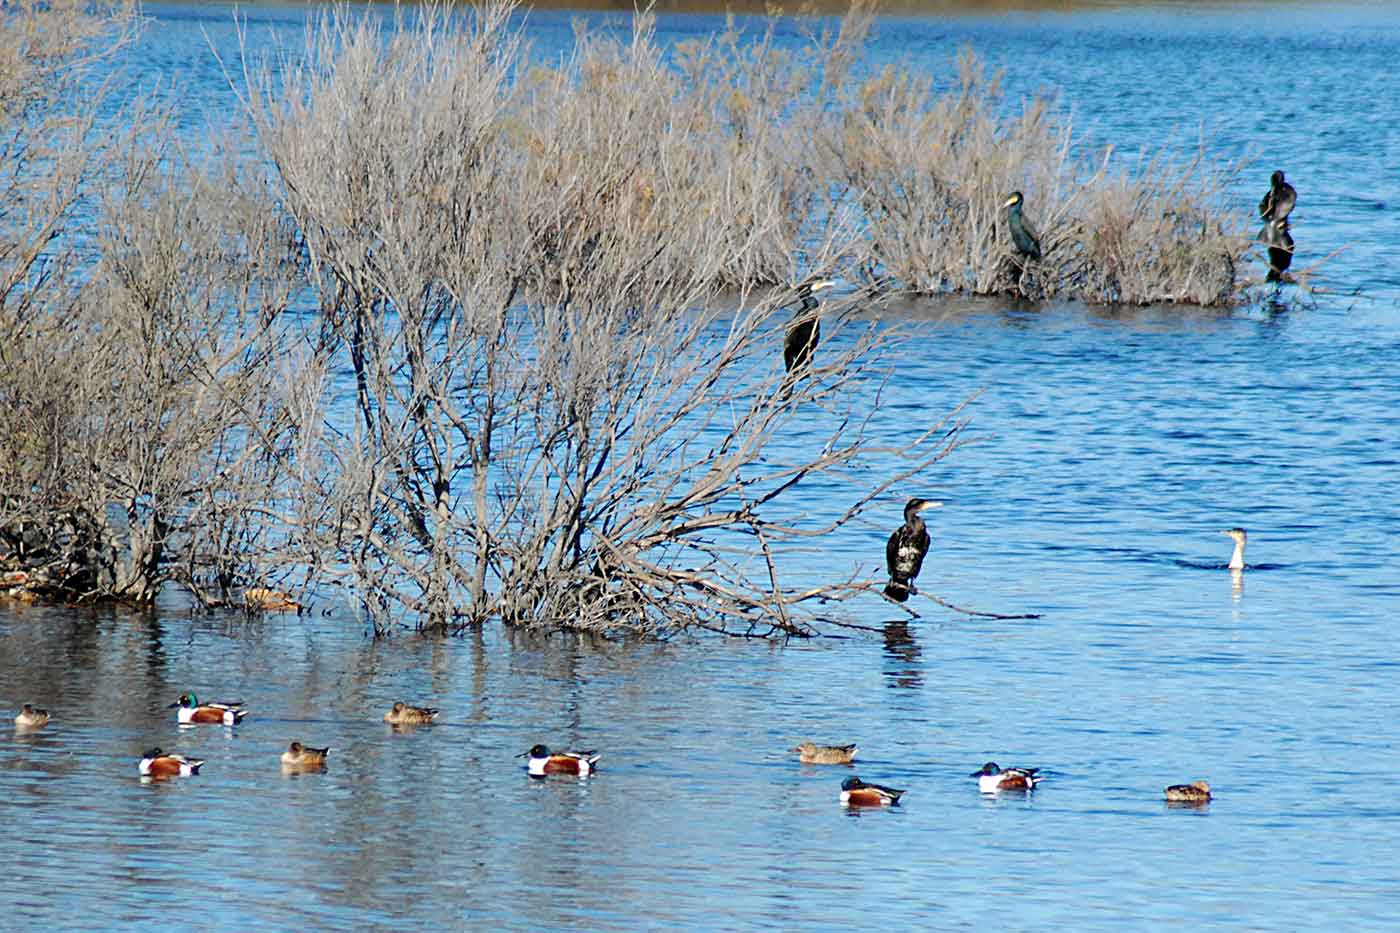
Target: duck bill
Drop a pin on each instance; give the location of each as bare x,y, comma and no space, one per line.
522,755
173,705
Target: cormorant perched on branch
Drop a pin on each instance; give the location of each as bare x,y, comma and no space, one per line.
805,329
1280,243
904,553
1027,243
1278,203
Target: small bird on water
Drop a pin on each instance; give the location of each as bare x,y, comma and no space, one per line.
810,753
991,778
304,757
1195,792
401,714
905,550
1240,536
1278,202
857,793
157,764
1022,234
31,718
542,761
805,330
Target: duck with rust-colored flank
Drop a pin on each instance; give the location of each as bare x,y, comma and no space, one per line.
304,757
157,764
857,793
31,718
1195,792
191,712
401,714
992,779
542,761
810,753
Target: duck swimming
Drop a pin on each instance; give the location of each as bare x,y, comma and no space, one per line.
1195,792
810,753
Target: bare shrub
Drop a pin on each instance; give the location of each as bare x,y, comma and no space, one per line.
557,419
166,410
932,171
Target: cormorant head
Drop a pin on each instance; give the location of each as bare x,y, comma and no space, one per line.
805,289
1276,179
1239,534
915,506
1015,200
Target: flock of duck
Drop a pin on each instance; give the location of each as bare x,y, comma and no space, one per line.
158,765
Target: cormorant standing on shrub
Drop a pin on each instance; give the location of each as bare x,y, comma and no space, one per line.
1280,244
1027,243
1278,203
805,329
904,553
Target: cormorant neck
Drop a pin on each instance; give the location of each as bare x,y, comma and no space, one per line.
1237,558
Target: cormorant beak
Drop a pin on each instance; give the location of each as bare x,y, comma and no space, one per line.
824,283
930,505
1009,201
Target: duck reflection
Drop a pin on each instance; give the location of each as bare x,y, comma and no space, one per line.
905,669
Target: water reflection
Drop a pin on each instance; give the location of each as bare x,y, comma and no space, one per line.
904,667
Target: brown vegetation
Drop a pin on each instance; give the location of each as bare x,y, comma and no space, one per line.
543,379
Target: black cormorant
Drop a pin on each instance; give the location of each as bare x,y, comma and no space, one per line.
1278,203
1027,243
1280,243
904,553
805,329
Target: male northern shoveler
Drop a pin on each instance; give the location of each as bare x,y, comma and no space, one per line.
157,764
401,714
304,756
992,778
543,761
1195,792
857,793
191,712
810,753
31,718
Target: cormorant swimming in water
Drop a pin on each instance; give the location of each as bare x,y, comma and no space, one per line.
1278,203
904,553
1237,558
1027,243
1280,243
805,329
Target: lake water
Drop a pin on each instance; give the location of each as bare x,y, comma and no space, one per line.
1114,446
